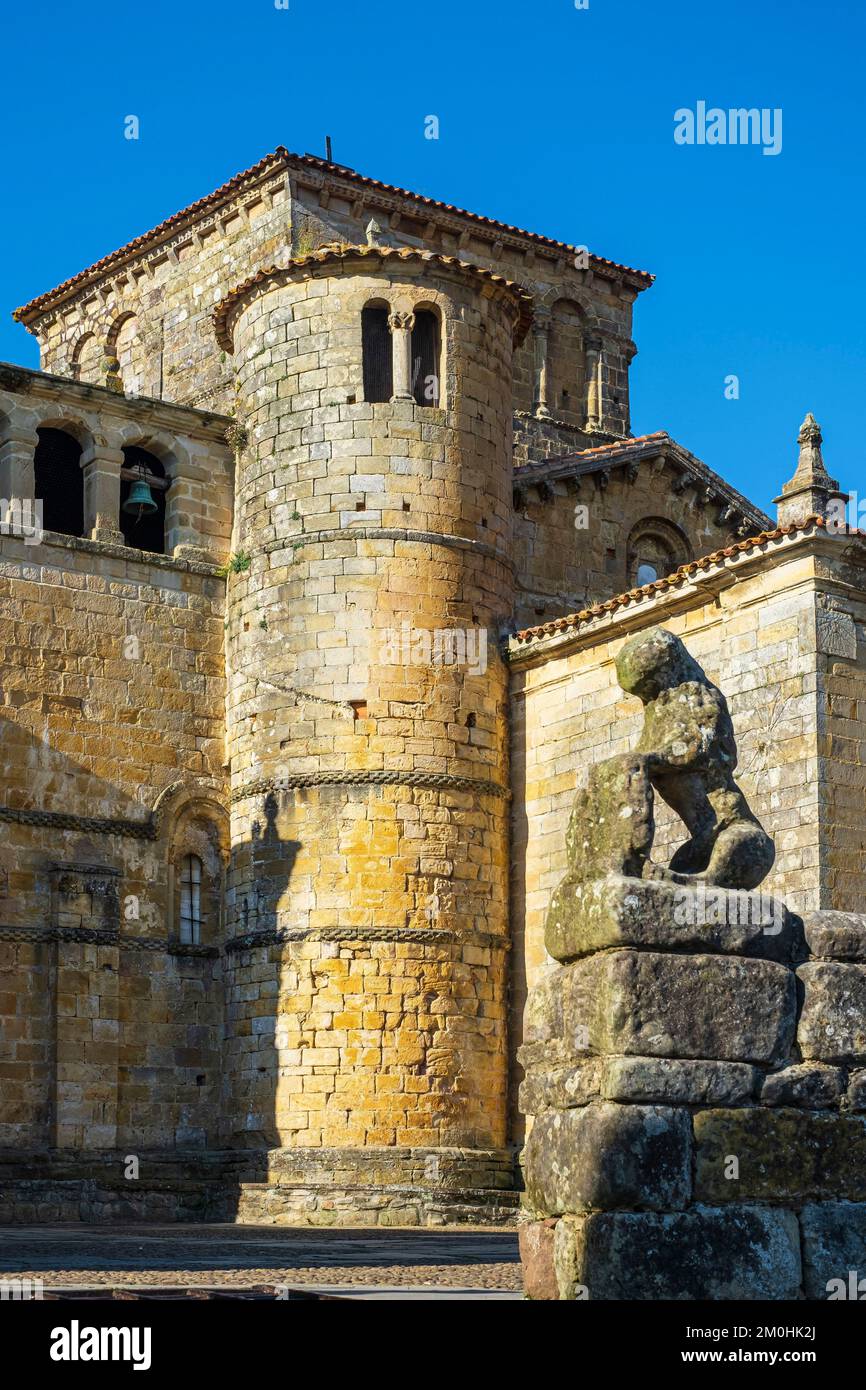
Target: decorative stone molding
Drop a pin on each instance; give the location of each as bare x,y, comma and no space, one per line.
387,533
149,829
95,936
432,936
430,780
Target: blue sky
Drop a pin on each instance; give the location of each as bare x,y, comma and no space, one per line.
557,119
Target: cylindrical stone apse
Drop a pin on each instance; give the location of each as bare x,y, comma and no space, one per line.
370,581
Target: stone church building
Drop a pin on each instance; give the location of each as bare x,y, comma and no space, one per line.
338,526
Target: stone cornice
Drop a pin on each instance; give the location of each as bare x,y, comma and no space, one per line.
346,259
94,936
146,829
625,452
170,415
425,936
339,535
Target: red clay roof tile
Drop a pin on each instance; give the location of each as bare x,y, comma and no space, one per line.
576,620
281,156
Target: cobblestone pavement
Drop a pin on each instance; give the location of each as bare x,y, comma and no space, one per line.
243,1255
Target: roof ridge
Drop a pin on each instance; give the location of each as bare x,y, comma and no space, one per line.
286,157
670,581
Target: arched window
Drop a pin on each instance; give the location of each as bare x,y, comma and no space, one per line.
647,573
566,371
59,482
190,900
425,358
655,549
125,344
87,360
376,346
142,529
197,844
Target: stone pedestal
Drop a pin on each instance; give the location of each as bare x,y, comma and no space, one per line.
693,1073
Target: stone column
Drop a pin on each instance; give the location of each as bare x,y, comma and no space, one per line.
540,333
102,493
593,384
401,326
17,471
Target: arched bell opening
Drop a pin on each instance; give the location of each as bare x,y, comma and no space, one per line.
59,481
143,487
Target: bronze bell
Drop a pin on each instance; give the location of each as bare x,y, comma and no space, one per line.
140,501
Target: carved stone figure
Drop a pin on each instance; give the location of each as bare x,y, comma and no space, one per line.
686,753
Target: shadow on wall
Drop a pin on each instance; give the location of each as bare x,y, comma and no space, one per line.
117,1035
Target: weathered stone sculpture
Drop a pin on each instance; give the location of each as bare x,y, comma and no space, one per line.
687,754
695,1130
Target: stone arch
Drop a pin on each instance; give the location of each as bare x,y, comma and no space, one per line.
86,361
376,355
193,820
655,548
421,301
59,481
143,530
172,454
69,422
123,345
428,341
567,361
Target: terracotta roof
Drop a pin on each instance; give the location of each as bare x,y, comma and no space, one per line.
596,454
623,451
522,300
131,247
322,164
672,581
282,157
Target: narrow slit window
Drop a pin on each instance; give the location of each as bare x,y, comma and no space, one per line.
190,900
376,345
425,358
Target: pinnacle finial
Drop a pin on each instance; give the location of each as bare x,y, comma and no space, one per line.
810,465
811,488
374,232
810,431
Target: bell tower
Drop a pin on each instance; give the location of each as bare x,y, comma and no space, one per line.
371,578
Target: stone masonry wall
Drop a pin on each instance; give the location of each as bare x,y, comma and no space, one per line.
563,566
111,722
697,1097
367,974
161,304
758,641
841,631
150,314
